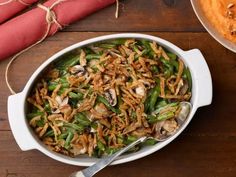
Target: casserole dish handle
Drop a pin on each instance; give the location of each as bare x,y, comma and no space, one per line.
201,77
17,122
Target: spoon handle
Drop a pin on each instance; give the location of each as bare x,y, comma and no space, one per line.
92,170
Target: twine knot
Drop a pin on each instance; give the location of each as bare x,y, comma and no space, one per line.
50,15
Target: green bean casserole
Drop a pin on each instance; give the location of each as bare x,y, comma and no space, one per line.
101,97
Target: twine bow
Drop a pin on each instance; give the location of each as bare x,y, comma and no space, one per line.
50,15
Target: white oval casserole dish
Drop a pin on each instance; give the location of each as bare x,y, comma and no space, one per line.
27,140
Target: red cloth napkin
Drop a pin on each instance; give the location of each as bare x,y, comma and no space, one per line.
28,28
8,8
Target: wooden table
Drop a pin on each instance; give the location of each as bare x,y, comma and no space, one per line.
206,148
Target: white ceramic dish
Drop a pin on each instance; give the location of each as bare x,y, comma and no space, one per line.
209,27
27,140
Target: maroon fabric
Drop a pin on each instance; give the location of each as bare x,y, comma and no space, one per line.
28,28
10,9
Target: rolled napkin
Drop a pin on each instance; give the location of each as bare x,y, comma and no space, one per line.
35,25
8,8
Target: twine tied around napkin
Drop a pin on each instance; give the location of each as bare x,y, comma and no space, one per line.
50,16
51,19
9,1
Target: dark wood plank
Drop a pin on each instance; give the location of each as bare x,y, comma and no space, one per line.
216,119
140,15
187,156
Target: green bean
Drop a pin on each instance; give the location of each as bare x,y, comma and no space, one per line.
149,142
49,133
73,103
68,140
119,100
78,127
165,116
118,41
107,45
133,115
76,96
47,107
158,117
82,119
80,95
73,95
147,101
165,62
171,55
40,123
34,114
104,101
63,64
154,97
130,139
93,56
167,73
94,68
152,119
147,104
149,52
175,64
174,105
135,48
94,125
52,86
63,80
154,69
101,146
87,50
161,104
111,151
63,135
61,90
187,74
120,139
145,43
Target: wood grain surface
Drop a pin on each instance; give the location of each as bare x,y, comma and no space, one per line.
206,148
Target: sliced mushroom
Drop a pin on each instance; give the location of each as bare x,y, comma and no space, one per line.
140,91
102,109
158,132
180,85
145,83
106,78
170,126
78,70
183,90
111,96
61,103
183,112
82,58
165,128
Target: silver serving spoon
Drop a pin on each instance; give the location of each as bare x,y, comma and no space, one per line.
92,170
